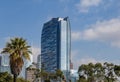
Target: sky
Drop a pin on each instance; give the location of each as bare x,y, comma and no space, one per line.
95,26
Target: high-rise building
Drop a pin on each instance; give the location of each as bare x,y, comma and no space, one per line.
56,45
0,60
39,62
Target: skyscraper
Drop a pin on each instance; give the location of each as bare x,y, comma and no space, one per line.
56,45
39,61
0,60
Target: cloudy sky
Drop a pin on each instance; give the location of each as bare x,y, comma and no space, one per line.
95,26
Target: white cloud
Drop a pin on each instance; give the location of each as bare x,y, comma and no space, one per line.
77,61
35,52
86,60
75,36
104,31
84,5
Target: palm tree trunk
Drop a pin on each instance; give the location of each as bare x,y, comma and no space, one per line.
108,79
15,77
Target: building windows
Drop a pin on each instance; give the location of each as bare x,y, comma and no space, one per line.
55,45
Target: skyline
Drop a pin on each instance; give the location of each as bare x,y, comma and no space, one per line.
95,26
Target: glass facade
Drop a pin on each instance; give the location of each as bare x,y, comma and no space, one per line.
50,46
0,60
55,45
39,61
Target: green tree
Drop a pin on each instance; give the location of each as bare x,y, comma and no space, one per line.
109,72
86,71
83,72
21,80
38,74
18,49
59,74
44,75
5,77
99,71
82,79
117,70
90,72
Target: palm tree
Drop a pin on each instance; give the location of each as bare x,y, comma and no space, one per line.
17,49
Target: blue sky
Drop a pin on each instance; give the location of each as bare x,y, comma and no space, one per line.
95,26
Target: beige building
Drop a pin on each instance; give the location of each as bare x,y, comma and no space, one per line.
30,74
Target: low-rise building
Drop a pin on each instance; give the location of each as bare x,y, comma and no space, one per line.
4,63
74,75
30,73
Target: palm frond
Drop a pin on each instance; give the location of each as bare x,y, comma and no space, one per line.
17,48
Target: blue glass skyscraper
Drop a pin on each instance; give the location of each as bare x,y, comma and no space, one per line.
56,45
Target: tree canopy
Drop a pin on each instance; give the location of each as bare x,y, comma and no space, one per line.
107,72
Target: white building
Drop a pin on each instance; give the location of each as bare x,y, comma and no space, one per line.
74,75
4,63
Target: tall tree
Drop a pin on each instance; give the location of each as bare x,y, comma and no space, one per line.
17,48
83,72
109,71
99,72
86,71
90,72
117,70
